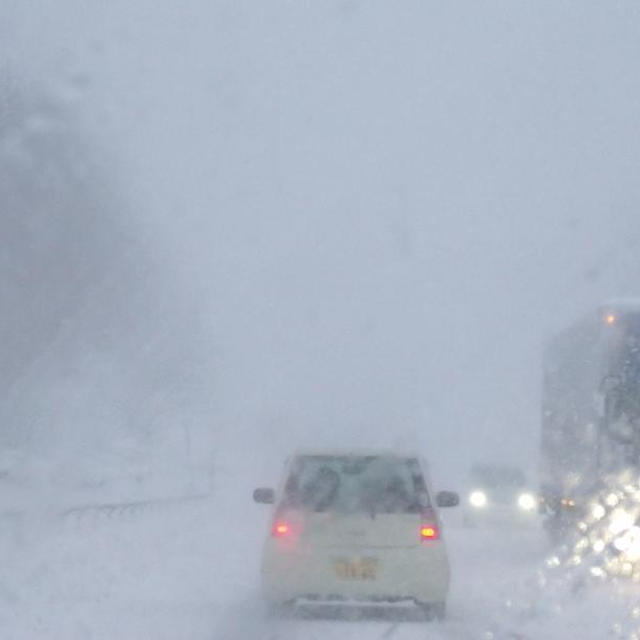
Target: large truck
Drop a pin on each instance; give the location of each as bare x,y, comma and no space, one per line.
590,409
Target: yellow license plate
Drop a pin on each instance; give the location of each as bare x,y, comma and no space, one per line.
359,569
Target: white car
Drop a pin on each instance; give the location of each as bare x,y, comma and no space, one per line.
355,528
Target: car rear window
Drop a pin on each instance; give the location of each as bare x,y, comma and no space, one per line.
498,477
371,484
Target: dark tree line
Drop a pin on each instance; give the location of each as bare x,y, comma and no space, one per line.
60,228
96,342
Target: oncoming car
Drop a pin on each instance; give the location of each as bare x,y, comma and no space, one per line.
499,494
355,529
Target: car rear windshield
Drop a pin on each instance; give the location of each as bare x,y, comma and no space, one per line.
351,484
498,477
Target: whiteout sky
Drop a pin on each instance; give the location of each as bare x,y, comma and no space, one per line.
359,220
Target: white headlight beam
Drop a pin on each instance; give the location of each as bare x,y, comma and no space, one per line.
478,499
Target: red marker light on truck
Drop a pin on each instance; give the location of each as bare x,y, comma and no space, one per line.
428,532
280,529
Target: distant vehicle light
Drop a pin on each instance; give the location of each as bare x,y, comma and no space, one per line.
527,501
610,319
629,544
428,532
478,499
621,520
598,511
280,529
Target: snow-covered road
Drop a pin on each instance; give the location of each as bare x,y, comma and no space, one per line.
189,570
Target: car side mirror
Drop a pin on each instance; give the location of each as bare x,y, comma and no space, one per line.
264,495
447,499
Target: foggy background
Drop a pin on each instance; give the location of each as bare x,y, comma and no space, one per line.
234,228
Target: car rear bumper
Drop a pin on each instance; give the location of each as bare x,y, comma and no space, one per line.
416,574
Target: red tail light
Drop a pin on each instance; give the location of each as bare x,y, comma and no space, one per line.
280,529
429,532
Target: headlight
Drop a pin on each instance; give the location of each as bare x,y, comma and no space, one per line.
527,501
478,499
621,520
629,544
